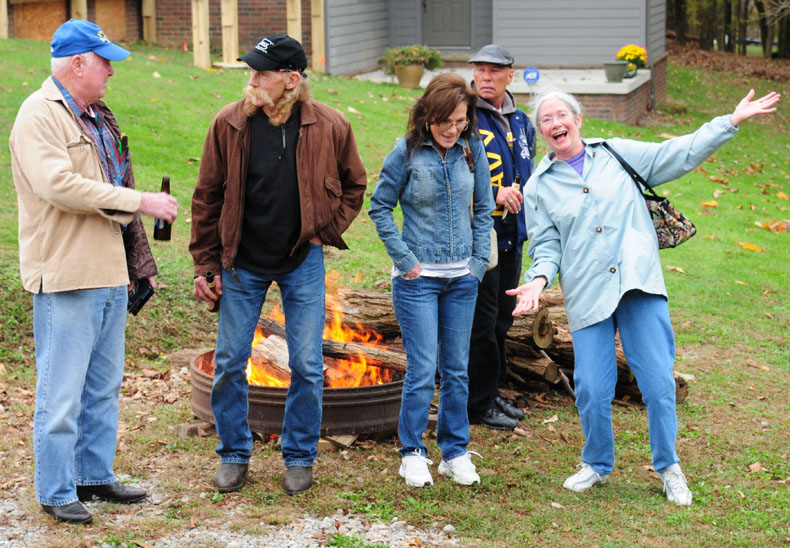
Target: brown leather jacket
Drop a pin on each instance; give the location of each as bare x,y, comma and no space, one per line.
332,183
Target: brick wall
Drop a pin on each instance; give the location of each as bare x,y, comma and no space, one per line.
257,18
660,79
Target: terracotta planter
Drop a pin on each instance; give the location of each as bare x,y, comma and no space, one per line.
409,75
615,70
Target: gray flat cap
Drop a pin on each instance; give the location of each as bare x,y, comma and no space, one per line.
494,54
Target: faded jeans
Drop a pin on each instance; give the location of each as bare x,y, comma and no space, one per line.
435,316
302,292
79,337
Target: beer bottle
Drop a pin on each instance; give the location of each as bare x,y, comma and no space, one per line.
162,227
214,305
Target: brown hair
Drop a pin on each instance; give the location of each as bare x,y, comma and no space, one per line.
440,99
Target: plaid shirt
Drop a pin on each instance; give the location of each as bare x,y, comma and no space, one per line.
115,157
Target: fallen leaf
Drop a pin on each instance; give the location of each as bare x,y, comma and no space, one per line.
720,180
553,418
752,363
718,193
156,75
677,269
740,494
709,203
710,237
557,505
755,467
782,195
750,247
331,91
352,110
740,282
774,226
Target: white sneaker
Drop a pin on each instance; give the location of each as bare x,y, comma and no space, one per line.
461,469
584,479
414,469
675,485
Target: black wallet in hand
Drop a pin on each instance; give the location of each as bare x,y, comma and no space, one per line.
139,295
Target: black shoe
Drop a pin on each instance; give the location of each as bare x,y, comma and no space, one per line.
70,513
509,410
230,476
298,479
493,418
111,492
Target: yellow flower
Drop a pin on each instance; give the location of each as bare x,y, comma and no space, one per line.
636,55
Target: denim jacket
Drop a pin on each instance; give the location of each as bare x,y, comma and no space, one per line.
435,195
595,230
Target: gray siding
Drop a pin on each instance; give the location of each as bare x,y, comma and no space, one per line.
482,31
405,22
356,34
656,28
567,32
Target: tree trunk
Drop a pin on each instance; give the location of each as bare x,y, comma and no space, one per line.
743,20
729,36
707,31
763,20
679,17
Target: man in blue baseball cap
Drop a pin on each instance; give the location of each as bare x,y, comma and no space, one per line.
81,247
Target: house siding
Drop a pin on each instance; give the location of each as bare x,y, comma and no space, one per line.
482,31
565,33
404,24
357,33
656,42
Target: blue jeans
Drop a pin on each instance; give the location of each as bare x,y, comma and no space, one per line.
649,347
302,292
435,317
79,337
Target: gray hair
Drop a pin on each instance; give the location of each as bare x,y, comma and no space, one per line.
554,93
57,64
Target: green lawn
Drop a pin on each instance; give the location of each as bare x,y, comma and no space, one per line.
729,306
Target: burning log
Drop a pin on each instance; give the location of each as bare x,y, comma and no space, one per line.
379,356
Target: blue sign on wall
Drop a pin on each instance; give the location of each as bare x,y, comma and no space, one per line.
531,75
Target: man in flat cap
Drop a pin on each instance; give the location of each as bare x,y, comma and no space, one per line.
509,140
280,177
81,243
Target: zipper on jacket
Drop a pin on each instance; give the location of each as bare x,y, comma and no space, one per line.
242,190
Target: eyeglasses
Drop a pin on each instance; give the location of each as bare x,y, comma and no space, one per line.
561,117
447,124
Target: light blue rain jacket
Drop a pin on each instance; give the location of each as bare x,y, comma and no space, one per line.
595,230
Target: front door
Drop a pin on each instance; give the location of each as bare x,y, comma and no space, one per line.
447,23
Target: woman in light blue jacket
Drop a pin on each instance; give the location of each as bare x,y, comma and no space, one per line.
588,222
436,173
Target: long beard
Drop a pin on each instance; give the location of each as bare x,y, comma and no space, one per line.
256,98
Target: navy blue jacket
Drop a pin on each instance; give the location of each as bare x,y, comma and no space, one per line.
504,163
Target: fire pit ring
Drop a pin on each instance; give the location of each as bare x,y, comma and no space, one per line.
356,410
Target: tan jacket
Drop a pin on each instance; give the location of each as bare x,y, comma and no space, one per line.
330,173
69,215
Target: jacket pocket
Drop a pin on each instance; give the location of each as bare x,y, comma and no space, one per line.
83,160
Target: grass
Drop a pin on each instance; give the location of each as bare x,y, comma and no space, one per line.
729,307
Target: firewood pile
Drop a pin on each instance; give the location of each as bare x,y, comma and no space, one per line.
540,352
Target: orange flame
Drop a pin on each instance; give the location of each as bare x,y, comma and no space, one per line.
340,373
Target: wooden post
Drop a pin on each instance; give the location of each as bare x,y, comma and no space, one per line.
149,20
3,19
79,9
200,37
317,35
293,15
230,31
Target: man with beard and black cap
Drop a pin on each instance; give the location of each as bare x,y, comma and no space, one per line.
509,140
280,177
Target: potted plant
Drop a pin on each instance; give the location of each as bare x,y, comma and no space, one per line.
407,63
635,56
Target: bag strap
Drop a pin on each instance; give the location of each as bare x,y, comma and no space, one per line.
470,161
631,171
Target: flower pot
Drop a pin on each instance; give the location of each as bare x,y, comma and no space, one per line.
409,75
615,70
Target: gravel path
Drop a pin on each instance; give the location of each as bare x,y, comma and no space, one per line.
24,526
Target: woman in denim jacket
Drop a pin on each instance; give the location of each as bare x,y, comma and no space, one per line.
439,258
588,222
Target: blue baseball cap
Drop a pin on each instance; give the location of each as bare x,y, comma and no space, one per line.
76,36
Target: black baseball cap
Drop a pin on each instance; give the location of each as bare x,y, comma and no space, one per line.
276,52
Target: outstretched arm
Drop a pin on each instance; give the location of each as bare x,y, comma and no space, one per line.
748,108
